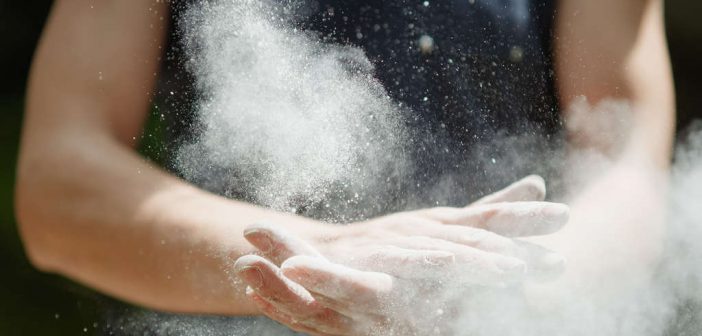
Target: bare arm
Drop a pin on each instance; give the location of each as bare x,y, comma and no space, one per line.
615,50
92,210
89,207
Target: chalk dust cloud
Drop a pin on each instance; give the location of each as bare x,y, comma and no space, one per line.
295,124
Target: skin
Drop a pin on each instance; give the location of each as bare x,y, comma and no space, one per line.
86,103
614,50
604,51
91,209
370,294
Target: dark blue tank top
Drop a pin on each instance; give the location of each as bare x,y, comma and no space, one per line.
476,74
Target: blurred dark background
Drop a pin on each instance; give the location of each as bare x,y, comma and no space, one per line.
32,303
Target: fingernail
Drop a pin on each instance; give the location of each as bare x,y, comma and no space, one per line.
537,187
252,275
559,211
263,242
557,215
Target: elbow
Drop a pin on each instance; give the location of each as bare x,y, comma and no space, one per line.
30,214
30,231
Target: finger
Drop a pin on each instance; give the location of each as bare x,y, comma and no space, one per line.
267,280
404,263
472,266
325,320
360,289
516,219
273,313
276,243
474,237
530,188
364,320
544,264
342,307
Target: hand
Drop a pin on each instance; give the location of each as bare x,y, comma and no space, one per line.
414,258
515,211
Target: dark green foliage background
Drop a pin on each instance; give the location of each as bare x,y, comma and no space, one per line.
32,303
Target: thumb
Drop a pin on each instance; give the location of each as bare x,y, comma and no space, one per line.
529,189
276,243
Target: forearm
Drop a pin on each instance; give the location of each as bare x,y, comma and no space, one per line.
612,244
91,209
617,223
614,55
88,206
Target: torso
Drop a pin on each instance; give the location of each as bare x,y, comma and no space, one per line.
476,74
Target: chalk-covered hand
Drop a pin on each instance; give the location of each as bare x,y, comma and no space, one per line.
477,232
364,280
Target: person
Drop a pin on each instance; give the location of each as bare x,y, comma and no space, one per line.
91,209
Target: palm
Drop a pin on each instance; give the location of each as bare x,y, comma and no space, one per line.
359,280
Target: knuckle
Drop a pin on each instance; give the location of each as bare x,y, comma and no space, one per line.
260,264
488,213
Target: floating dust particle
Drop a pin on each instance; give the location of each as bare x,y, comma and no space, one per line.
426,44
